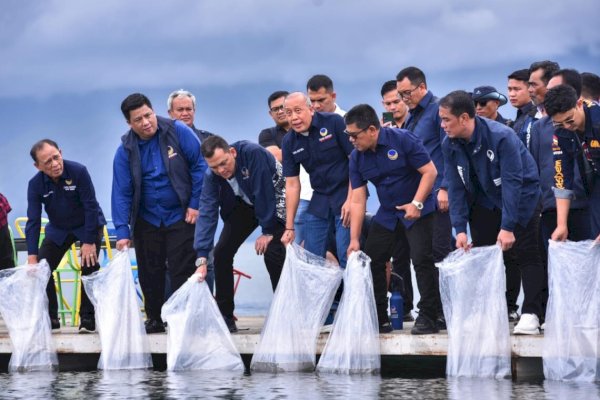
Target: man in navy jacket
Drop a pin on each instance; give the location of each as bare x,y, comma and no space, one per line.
577,142
245,182
157,179
493,185
67,193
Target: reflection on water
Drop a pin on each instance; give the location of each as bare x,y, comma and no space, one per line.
226,385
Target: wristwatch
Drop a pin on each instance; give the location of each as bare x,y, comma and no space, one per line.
200,261
417,204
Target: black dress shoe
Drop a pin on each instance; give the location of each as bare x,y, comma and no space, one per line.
424,325
440,323
154,326
87,325
386,327
54,323
230,322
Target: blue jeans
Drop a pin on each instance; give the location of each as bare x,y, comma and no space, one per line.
299,221
316,232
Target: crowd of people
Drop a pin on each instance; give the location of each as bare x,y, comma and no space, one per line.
438,166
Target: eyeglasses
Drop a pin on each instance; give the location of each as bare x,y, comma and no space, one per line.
277,109
481,103
570,121
139,119
354,135
407,93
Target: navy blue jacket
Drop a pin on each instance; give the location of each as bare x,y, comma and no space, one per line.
524,123
565,148
180,151
257,174
324,155
70,204
505,171
424,121
202,134
541,148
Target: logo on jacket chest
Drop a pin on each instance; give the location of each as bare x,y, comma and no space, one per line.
325,135
171,152
245,173
69,187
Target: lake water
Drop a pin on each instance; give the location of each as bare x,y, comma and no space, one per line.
223,385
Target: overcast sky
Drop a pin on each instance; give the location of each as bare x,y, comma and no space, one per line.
66,65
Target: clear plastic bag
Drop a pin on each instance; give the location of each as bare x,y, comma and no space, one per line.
571,350
299,308
122,334
353,346
24,308
472,288
198,338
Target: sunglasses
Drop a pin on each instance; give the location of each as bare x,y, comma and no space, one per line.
354,135
480,103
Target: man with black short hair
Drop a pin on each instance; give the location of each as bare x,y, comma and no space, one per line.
392,102
322,96
590,86
542,149
489,171
424,122
157,179
245,184
577,142
404,181
270,138
518,95
540,73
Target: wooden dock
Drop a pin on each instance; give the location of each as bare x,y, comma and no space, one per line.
526,350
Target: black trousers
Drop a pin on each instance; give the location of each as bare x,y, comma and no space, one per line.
157,247
240,224
53,254
401,266
380,246
443,242
6,250
524,256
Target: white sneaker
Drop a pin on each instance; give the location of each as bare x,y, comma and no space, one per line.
529,324
543,327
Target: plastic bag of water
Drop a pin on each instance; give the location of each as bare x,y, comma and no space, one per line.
572,335
299,308
472,288
24,308
120,327
198,338
353,346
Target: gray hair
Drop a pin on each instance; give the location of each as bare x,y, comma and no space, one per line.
306,98
180,93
